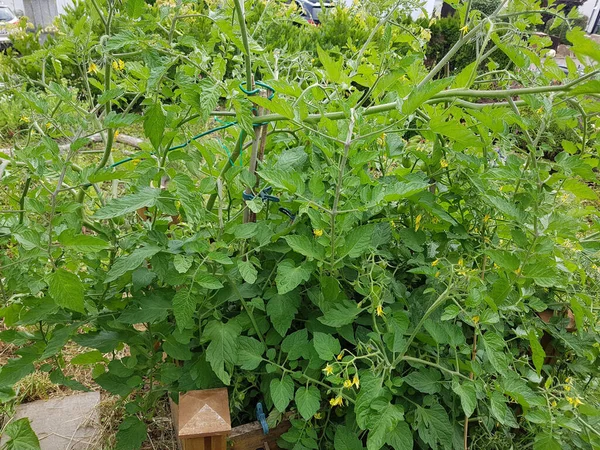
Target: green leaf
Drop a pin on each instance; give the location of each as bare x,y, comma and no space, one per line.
277,105
542,272
504,259
131,434
91,357
282,309
57,341
384,422
420,95
118,120
208,281
154,124
182,263
537,351
184,307
82,242
289,276
250,352
67,290
326,346
424,380
340,314
357,242
308,401
296,345
247,271
434,426
135,8
468,397
221,353
243,115
129,203
305,246
455,131
130,262
333,68
495,351
209,97
546,442
501,411
346,439
22,437
580,190
152,308
282,392
400,437
177,350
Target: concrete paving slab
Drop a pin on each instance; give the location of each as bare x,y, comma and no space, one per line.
66,423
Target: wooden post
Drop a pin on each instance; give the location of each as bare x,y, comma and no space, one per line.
202,419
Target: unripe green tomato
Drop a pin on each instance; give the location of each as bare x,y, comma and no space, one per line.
406,162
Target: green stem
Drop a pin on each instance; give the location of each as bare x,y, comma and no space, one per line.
244,32
234,156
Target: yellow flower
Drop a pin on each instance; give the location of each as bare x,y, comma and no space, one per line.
356,381
574,401
328,369
318,233
340,356
553,404
337,401
443,163
381,140
461,262
347,384
540,111
568,388
432,21
318,416
48,125
118,65
568,380
486,218
435,263
379,310
116,133
92,68
25,119
475,319
425,34
418,222
437,274
464,29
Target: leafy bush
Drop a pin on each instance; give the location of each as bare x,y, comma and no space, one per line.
408,274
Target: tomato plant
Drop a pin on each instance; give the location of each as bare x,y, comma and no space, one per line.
396,254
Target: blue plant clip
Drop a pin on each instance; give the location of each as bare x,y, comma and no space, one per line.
264,195
260,415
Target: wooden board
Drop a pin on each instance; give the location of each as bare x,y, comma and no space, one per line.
250,436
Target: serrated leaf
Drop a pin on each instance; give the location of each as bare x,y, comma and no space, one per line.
425,380
243,115
184,307
22,436
209,97
131,434
66,289
468,397
154,124
124,264
327,346
434,426
346,439
305,246
340,314
250,353
182,263
308,401
91,357
151,308
289,276
501,411
546,442
82,242
282,309
146,197
420,95
580,190
542,272
504,259
208,281
537,351
221,353
296,345
276,105
282,392
495,351
247,271
357,242
386,420
400,437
